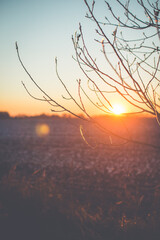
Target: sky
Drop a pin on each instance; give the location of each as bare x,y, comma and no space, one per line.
43,31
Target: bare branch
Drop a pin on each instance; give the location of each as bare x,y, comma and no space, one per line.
131,63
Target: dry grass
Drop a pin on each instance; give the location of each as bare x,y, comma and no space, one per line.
77,207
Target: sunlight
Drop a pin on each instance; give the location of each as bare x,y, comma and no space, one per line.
118,109
42,130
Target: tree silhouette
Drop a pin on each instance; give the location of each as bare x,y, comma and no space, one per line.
129,43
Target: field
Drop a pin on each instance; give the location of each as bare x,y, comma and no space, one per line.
59,187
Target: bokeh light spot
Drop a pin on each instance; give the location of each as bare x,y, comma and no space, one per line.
42,130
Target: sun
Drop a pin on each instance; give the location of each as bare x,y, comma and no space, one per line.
118,109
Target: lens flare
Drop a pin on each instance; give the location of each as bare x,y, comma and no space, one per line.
42,130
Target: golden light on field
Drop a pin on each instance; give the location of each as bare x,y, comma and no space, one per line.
42,130
118,109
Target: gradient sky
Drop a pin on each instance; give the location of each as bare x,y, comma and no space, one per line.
43,30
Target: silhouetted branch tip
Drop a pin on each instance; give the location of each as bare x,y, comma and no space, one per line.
16,45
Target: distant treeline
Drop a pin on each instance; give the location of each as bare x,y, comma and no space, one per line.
4,115
43,116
